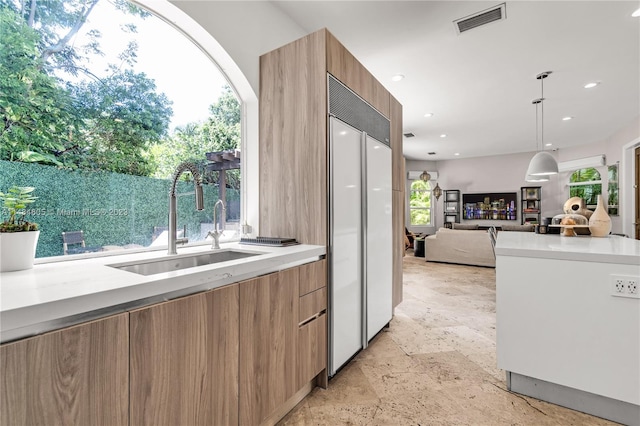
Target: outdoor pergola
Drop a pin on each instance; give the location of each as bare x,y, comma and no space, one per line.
221,162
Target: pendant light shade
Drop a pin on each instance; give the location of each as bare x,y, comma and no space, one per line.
425,176
530,178
543,164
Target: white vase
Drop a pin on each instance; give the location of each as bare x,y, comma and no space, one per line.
17,250
600,222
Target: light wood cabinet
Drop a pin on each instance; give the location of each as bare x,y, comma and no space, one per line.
269,329
279,353
346,68
184,360
398,203
74,376
397,158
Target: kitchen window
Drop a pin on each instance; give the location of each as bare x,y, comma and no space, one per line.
586,184
99,118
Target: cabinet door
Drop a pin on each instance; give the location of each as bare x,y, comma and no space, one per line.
184,360
75,376
269,329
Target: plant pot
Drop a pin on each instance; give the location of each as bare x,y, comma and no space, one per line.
17,250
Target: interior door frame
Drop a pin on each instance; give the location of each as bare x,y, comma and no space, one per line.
627,181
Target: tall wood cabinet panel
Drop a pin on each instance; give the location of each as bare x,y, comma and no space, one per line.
293,141
184,360
74,376
397,158
397,184
268,348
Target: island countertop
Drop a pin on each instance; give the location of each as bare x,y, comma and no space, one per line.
611,249
57,294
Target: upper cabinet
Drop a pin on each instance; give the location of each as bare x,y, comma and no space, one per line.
346,68
293,132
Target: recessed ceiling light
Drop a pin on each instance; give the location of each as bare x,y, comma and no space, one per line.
456,154
636,13
546,144
566,118
443,135
591,85
429,114
397,77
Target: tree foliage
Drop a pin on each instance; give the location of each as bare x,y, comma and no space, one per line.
219,132
105,122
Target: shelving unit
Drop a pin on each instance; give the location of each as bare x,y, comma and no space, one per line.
531,199
452,206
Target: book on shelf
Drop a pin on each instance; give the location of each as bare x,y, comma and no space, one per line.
531,210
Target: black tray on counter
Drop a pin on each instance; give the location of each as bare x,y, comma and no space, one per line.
269,241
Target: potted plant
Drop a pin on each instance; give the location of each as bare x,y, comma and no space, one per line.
18,237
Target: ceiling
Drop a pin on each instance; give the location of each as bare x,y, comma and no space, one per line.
480,84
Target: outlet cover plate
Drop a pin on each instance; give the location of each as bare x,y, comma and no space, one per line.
625,286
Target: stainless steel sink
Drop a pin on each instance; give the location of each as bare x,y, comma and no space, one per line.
176,263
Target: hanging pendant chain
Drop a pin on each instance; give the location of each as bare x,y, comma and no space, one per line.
542,119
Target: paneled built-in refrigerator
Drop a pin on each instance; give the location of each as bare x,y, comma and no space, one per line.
360,243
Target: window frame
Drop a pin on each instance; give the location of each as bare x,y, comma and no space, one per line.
597,183
429,209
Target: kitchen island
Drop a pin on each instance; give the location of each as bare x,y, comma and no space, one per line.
564,334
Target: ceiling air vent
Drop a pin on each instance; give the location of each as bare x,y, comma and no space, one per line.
470,22
409,135
431,153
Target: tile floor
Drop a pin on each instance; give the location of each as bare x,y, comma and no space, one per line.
434,365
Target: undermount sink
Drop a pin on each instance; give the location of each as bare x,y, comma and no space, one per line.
176,263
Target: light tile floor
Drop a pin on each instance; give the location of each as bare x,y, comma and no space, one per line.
434,365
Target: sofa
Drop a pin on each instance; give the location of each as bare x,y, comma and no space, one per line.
462,246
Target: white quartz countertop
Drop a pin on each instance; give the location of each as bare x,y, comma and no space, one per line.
52,295
610,249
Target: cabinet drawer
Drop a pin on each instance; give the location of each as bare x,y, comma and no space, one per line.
311,304
312,350
313,276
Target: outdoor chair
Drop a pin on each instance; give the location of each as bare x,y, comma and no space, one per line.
73,243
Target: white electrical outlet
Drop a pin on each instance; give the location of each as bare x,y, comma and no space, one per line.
625,286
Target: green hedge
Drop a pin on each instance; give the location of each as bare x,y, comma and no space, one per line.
111,208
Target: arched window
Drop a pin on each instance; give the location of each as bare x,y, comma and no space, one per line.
586,184
104,100
420,208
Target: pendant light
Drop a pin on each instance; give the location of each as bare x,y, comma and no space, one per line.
530,178
425,176
437,191
543,163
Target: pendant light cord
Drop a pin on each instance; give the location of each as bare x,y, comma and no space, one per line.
542,119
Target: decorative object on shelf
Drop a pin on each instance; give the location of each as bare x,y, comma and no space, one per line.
437,192
600,222
543,163
577,205
425,176
18,237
